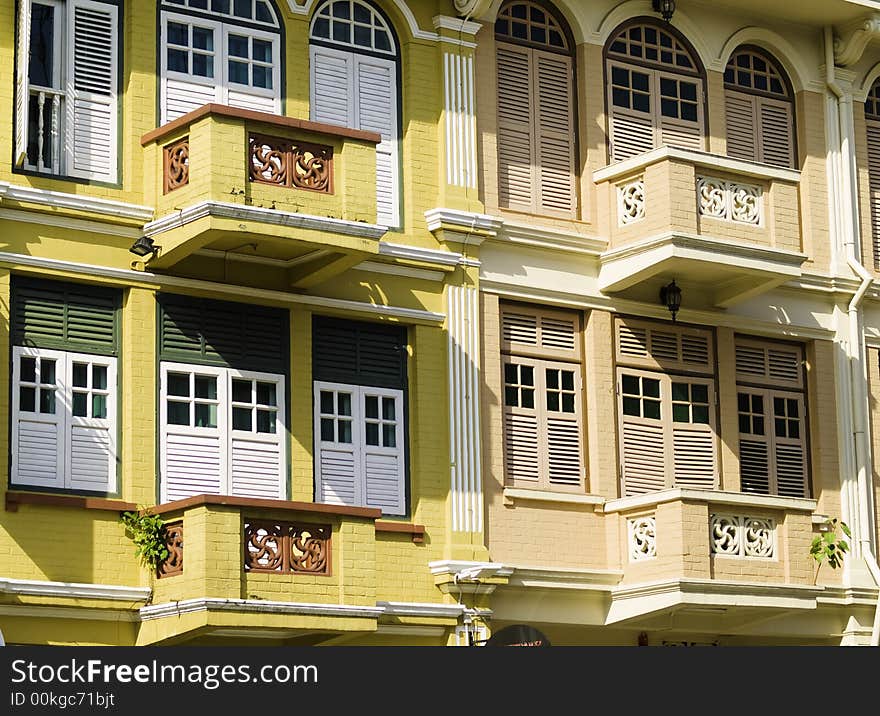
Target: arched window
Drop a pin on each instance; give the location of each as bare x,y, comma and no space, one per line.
536,126
354,84
760,109
655,91
223,51
872,123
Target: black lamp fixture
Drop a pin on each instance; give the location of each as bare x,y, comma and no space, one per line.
143,246
665,8
670,296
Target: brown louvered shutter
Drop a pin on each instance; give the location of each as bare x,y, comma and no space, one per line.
681,131
516,150
741,112
555,134
874,186
544,333
630,130
655,345
693,433
776,140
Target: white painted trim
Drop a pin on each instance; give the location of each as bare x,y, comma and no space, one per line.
110,614
456,24
253,606
437,217
457,43
226,210
63,200
547,238
726,247
539,577
715,497
782,51
244,292
460,120
455,566
416,609
306,8
74,590
701,159
397,270
518,493
410,630
431,256
69,222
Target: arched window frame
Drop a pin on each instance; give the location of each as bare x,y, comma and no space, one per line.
679,83
335,95
761,123
872,131
210,34
537,147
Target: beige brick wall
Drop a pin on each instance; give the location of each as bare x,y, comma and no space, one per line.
822,402
810,118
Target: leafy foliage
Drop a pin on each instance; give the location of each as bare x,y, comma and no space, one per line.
830,546
147,531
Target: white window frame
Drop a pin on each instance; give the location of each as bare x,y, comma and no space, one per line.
223,430
358,446
65,421
274,65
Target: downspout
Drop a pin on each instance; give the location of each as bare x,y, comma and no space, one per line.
855,350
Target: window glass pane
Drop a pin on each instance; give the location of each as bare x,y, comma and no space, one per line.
241,8
81,405
757,403
618,47
792,408
177,60
263,12
241,391
27,369
42,46
688,91
206,415
567,403
388,410
372,433
511,374
241,419
652,409
779,406
680,391
199,4
371,406
361,14
203,65
640,81
266,421
238,46
620,97
779,425
221,6
322,28
567,380
650,36
99,377
539,34
745,424
757,425
776,86
266,394
342,10
528,398
327,402
669,108
681,413
632,406
619,76
701,414
518,30
363,36
47,401
343,403
178,34
794,429
742,402
344,431
689,111
666,57
642,102
47,371
341,32
327,432
389,436
262,51
631,385
99,406
206,387
238,72
651,53
761,82
511,397
700,393
178,413
552,378
553,401
651,387
668,87
527,375
203,38
262,77
382,41
27,399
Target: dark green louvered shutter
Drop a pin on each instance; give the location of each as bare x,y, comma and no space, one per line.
66,316
236,335
358,353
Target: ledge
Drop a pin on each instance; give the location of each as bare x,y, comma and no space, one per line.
717,497
79,202
74,590
704,159
14,499
417,531
521,494
285,505
221,110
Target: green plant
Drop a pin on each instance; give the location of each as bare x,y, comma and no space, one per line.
830,546
147,531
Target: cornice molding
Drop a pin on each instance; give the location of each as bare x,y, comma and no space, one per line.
253,606
74,590
854,37
717,497
79,202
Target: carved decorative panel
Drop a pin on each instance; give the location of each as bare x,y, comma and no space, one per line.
739,536
642,533
730,201
176,165
286,547
173,564
631,202
291,164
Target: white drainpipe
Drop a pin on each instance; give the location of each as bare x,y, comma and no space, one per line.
845,184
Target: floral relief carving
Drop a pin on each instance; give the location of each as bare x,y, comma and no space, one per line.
730,201
292,164
286,547
173,563
642,538
176,165
740,536
631,202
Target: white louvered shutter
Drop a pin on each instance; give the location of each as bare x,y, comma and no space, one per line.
38,437
257,459
182,92
193,459
775,132
678,132
90,439
92,108
516,150
21,78
555,134
332,86
337,460
383,450
693,441
376,103
874,185
741,114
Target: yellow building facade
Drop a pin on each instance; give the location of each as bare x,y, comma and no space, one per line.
363,299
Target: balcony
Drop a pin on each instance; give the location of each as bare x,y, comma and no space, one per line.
729,229
260,185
